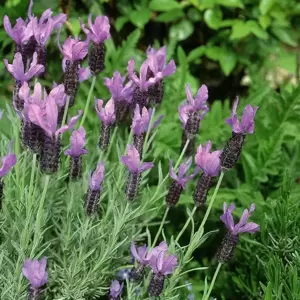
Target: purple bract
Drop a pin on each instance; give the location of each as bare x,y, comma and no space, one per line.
8,161
183,168
77,143
97,177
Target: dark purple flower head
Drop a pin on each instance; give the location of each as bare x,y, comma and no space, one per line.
106,114
46,115
158,64
74,49
242,225
116,289
183,168
16,69
77,143
118,91
35,272
99,31
97,177
19,33
83,73
208,162
162,263
247,123
142,81
132,161
8,162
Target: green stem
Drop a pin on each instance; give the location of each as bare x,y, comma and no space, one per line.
148,131
213,281
186,224
213,198
86,109
161,226
17,152
32,176
111,142
66,111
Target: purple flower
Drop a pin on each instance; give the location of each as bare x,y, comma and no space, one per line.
141,121
141,254
16,69
116,289
183,111
35,272
162,247
19,33
142,81
247,123
132,161
74,49
57,20
97,177
84,74
208,162
8,161
163,263
183,168
118,91
199,103
99,31
157,62
77,143
106,114
46,115
42,31
242,225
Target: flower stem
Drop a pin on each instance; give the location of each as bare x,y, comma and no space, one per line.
86,109
213,198
161,226
213,281
111,142
66,111
146,147
186,224
32,176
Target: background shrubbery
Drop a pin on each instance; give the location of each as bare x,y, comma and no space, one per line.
236,47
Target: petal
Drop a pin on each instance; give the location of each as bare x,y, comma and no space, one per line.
70,125
170,69
79,51
172,172
169,265
189,95
131,73
52,114
250,227
145,166
134,251
84,74
132,159
97,177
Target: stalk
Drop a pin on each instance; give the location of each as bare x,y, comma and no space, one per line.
161,226
213,281
88,100
66,111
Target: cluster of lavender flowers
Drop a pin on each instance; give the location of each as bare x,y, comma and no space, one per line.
43,121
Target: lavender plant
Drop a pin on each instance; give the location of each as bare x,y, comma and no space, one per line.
84,248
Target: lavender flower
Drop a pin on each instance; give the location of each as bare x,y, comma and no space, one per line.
97,33
122,95
35,272
46,117
107,115
233,148
19,33
8,162
158,65
209,163
142,256
140,126
179,181
135,167
16,69
230,240
74,51
116,290
92,197
142,83
161,265
76,151
191,112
